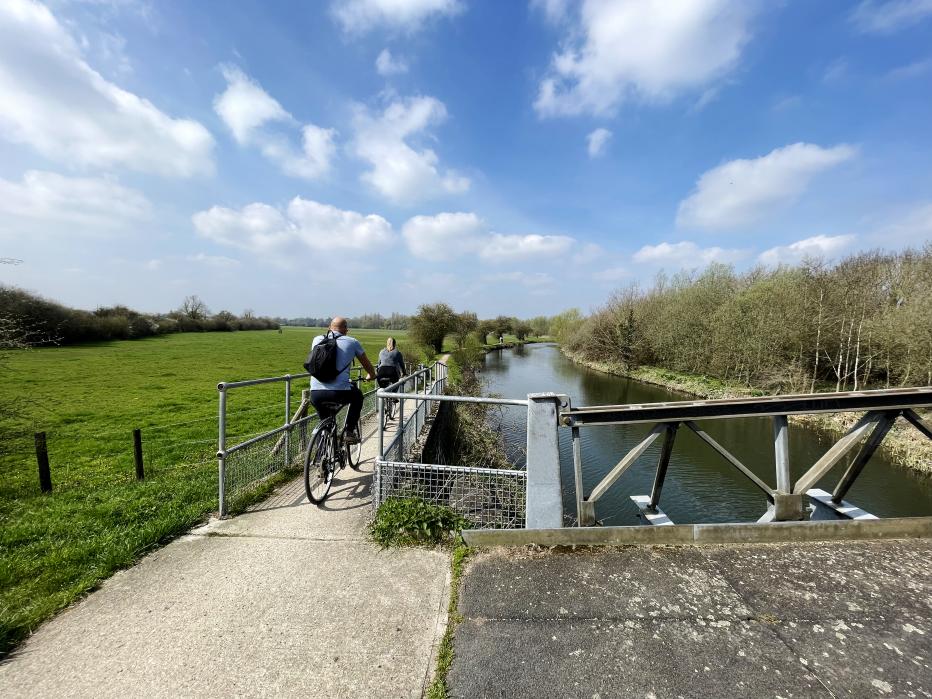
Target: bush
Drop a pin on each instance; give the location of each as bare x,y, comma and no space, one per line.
414,522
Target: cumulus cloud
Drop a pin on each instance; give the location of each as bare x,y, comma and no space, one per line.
740,192
386,64
596,142
248,111
400,172
497,247
267,230
645,50
886,17
450,235
44,200
361,16
820,246
685,254
56,103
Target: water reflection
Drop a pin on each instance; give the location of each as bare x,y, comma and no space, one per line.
700,486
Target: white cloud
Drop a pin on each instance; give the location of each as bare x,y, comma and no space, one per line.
398,171
911,226
740,192
56,103
444,236
386,64
836,71
820,246
92,205
266,230
219,261
248,110
588,252
648,50
685,254
911,70
450,235
879,17
534,282
596,142
498,248
360,16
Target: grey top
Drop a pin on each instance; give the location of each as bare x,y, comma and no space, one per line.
393,357
348,348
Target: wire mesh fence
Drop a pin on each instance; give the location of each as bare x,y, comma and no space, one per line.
248,465
487,497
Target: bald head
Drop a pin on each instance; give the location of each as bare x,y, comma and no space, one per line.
339,324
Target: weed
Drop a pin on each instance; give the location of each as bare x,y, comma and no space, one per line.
414,522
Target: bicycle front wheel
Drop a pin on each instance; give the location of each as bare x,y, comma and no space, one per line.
318,464
354,453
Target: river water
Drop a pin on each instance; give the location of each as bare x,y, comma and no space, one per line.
700,485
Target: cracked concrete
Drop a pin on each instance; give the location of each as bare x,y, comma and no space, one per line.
766,620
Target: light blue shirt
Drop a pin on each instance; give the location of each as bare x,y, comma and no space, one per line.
348,348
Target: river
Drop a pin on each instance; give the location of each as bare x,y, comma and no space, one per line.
700,485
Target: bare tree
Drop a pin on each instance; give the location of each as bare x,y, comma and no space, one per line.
194,308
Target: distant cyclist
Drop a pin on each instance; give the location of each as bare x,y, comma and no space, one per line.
391,365
341,389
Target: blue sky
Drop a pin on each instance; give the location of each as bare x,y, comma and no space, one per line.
506,157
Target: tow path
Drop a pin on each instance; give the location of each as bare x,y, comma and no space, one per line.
285,600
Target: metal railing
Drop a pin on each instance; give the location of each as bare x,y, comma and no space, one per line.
487,497
245,466
786,500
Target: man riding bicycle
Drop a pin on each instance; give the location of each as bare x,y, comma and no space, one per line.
341,389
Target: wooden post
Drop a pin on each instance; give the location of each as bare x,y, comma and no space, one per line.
42,457
137,454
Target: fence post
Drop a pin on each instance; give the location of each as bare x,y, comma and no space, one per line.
786,504
287,420
42,457
137,454
544,501
380,414
221,448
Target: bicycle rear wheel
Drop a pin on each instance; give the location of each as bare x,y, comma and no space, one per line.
319,463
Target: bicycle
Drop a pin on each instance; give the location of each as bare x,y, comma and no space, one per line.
389,405
327,453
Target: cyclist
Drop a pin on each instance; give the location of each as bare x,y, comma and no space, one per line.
391,366
341,389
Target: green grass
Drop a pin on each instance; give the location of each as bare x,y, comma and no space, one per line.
88,399
438,687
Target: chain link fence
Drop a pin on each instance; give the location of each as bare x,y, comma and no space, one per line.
246,466
487,497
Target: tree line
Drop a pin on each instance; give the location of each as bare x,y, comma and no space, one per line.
433,322
375,321
39,321
862,322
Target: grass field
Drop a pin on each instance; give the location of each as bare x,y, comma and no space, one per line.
88,399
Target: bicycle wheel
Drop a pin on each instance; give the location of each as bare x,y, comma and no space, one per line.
319,463
354,453
388,412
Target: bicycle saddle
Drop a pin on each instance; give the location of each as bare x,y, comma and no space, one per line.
332,407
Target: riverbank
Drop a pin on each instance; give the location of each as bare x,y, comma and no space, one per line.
904,444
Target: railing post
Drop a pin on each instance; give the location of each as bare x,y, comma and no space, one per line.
287,420
137,455
380,413
221,448
544,501
787,505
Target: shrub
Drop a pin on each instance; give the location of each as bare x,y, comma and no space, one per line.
414,522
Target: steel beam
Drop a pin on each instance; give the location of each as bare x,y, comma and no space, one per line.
781,453
731,459
834,455
918,422
625,463
662,463
867,450
544,501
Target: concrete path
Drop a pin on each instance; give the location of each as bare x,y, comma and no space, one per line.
286,600
774,620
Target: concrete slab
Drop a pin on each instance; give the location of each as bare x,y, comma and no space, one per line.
763,620
285,600
633,658
632,583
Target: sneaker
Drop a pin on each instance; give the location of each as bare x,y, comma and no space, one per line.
351,437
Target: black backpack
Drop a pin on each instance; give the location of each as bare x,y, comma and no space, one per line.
321,361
